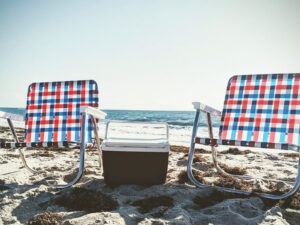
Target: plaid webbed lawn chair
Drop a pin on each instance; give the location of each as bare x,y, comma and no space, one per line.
59,114
260,111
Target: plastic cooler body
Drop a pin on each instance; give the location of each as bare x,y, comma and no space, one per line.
129,165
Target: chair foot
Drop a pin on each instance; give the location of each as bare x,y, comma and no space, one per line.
80,171
22,155
76,179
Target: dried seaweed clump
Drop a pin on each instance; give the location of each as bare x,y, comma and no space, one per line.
235,151
87,200
183,149
43,154
214,197
292,202
46,218
183,176
233,170
232,182
2,186
177,148
199,158
290,155
147,204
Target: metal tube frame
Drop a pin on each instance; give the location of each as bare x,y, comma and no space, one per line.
82,152
97,141
82,149
214,156
20,150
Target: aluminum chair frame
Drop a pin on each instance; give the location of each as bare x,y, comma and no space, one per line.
85,111
209,111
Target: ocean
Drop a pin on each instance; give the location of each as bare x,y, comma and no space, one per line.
180,124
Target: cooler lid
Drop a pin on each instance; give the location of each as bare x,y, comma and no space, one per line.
136,143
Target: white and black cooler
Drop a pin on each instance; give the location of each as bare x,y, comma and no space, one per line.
141,161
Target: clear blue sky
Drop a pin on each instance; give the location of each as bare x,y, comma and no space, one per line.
145,54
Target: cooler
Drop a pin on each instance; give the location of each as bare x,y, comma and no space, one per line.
135,160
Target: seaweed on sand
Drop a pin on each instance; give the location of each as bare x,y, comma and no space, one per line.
290,155
235,151
183,176
147,204
183,149
199,158
233,170
214,197
2,186
86,200
229,181
46,218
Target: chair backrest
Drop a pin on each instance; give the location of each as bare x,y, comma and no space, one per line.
53,110
262,108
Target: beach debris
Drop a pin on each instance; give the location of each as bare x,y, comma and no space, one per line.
183,149
86,200
233,170
147,204
183,176
292,202
46,218
235,151
11,155
229,181
199,158
43,154
176,148
2,186
214,197
290,155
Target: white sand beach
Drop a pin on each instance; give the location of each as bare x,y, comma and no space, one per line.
24,195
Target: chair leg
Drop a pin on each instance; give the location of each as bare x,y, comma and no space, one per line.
82,152
22,155
98,141
189,168
214,156
215,161
200,185
79,174
190,161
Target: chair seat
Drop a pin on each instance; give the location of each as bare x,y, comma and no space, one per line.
136,143
214,142
40,144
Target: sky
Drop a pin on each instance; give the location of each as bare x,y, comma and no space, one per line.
146,55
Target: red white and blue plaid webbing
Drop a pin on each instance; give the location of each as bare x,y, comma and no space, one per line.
262,108
53,110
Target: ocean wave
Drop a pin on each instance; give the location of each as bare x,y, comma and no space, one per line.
173,118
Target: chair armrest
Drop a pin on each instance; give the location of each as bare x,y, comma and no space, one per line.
207,109
11,116
97,113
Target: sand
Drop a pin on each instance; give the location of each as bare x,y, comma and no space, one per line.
27,198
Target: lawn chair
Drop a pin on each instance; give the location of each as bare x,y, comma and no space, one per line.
260,111
59,114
